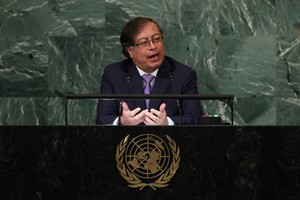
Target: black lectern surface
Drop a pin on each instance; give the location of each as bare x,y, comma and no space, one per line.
216,162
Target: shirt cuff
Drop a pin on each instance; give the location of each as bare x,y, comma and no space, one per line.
116,121
170,122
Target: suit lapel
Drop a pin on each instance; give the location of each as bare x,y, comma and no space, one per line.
162,82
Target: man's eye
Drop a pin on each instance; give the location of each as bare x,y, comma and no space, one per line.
143,43
156,39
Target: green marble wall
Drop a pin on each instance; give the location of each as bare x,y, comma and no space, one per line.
248,48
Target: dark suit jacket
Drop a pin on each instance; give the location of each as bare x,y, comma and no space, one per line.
114,81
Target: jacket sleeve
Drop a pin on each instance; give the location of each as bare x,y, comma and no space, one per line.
107,110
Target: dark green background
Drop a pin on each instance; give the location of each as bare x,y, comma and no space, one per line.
248,48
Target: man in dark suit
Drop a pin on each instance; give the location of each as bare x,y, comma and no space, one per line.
142,43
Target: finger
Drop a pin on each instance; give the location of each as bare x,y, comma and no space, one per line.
162,107
135,111
140,116
125,106
152,118
162,110
153,112
149,121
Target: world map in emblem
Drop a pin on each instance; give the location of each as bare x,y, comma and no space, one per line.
147,156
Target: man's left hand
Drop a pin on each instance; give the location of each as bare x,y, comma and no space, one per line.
156,117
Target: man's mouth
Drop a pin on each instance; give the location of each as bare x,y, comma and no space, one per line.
153,56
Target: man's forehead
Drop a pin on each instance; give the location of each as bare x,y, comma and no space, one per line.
147,31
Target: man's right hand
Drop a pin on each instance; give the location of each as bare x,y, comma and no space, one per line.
132,117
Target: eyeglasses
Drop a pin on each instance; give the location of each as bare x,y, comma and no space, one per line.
145,43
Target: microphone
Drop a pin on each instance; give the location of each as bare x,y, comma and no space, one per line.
128,79
177,101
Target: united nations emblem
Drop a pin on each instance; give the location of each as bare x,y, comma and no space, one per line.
147,160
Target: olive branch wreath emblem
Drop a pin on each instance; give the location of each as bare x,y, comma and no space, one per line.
134,181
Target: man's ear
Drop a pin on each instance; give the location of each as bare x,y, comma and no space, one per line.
129,50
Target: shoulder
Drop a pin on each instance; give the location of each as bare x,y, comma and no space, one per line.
178,66
119,65
118,68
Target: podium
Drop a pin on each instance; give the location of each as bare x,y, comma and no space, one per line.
216,162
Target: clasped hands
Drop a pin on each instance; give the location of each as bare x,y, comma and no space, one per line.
136,116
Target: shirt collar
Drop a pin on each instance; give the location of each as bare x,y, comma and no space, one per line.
141,72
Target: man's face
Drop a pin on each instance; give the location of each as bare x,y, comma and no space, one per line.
149,57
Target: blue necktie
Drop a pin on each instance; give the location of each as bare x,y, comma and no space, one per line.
147,90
